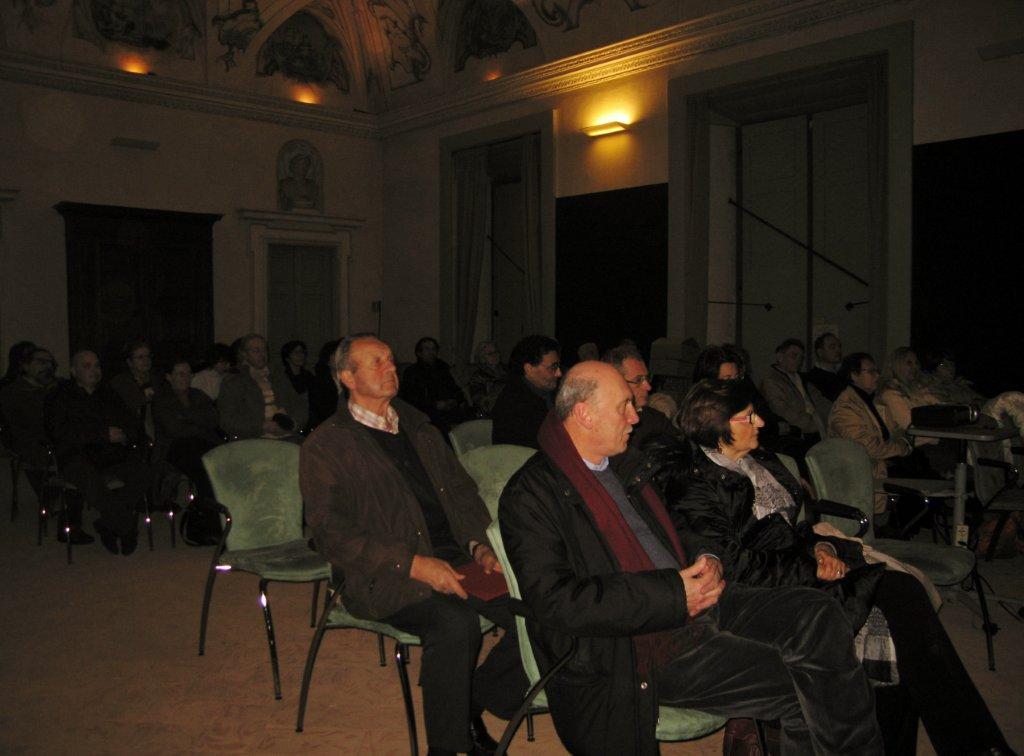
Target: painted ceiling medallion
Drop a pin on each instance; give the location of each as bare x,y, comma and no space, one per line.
490,27
166,25
237,24
402,26
301,49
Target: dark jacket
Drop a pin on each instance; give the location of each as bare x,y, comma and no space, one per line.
79,424
573,587
718,506
364,516
518,414
174,419
21,404
651,425
828,383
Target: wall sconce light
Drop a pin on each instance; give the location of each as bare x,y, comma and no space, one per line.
608,127
134,64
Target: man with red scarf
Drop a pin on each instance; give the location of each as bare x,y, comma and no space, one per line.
597,558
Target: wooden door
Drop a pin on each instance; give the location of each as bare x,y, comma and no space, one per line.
301,297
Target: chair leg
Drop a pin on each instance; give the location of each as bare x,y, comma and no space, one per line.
307,674
269,622
403,677
530,737
994,541
380,650
170,520
316,600
987,625
66,530
207,595
15,474
149,519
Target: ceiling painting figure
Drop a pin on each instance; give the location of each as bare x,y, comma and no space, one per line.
166,25
302,50
236,24
402,27
485,28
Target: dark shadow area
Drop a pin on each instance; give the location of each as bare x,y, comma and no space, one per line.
968,262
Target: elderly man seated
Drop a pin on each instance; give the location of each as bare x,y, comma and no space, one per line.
96,440
597,557
402,525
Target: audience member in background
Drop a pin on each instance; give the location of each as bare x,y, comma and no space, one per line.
135,385
943,382
598,559
530,393
855,416
323,391
21,403
587,351
746,505
488,378
900,390
250,403
217,362
186,418
293,358
728,363
96,439
428,385
789,397
17,355
397,517
828,353
631,366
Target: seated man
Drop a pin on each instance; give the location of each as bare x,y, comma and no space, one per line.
603,563
252,401
794,401
94,434
529,394
428,386
631,366
398,518
135,385
824,376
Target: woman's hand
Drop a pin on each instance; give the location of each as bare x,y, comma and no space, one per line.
830,567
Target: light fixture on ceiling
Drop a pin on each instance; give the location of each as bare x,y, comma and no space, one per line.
608,127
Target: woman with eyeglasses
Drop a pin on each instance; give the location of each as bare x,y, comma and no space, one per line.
745,504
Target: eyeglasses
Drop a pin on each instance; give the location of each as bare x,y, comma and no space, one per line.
554,367
639,380
747,418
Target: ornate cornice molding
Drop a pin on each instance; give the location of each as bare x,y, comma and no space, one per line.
753,21
151,90
757,20
299,221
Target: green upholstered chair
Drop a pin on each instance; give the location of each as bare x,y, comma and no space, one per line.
491,467
841,471
674,724
469,435
336,617
256,483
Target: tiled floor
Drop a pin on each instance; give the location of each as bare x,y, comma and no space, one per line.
100,657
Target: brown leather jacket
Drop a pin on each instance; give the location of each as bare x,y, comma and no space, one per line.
364,516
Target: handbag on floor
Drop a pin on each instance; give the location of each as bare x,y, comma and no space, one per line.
200,525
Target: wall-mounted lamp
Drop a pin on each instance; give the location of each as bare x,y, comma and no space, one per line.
600,129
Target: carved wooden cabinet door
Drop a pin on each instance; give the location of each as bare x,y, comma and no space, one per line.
136,273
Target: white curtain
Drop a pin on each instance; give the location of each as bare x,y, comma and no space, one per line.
530,183
472,198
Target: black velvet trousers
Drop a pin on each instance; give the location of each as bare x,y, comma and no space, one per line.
777,653
454,688
938,687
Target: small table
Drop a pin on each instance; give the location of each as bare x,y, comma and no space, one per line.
962,434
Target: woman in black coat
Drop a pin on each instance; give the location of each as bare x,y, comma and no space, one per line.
745,501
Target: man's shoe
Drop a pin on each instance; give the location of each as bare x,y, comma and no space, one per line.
129,543
78,537
483,743
107,536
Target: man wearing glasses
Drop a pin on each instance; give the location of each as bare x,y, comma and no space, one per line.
631,366
530,394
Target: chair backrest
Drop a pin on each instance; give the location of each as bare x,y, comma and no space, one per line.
258,481
791,467
525,649
841,471
491,467
470,435
988,481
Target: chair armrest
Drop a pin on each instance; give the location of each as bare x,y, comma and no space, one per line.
845,511
520,608
1009,469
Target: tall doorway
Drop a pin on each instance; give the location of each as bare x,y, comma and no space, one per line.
302,296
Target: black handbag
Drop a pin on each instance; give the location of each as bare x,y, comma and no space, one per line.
200,525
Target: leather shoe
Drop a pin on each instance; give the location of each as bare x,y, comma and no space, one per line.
129,543
78,537
107,536
483,743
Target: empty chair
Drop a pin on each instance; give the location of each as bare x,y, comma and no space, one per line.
491,467
469,435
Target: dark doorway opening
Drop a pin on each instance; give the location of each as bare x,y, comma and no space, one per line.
611,268
968,262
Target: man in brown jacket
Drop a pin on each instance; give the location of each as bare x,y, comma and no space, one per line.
397,517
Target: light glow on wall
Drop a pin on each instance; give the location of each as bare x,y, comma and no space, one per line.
132,63
306,94
605,127
492,75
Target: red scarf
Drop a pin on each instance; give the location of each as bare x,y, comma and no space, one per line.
621,540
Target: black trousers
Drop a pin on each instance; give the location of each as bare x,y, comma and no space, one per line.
939,688
777,653
186,456
117,508
454,688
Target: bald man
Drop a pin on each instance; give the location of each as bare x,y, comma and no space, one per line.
597,558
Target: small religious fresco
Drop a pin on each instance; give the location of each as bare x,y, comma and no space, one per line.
302,50
236,23
490,27
565,14
402,26
28,11
300,177
166,25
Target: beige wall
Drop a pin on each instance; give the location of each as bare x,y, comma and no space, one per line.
55,146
